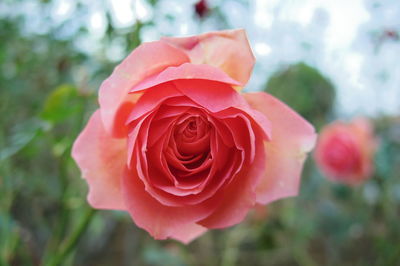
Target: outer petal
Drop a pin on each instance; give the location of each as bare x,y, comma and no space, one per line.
292,138
228,50
213,96
185,71
189,232
101,160
159,220
144,61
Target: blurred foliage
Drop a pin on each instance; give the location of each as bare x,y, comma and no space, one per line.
48,91
304,89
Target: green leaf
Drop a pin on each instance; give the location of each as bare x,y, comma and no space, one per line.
61,103
21,135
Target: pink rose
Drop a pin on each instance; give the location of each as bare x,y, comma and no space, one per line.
344,152
177,146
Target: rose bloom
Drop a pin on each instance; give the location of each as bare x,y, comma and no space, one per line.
344,151
176,144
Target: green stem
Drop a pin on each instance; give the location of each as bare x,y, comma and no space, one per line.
231,250
58,233
70,243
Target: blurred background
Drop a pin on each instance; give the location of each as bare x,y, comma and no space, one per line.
326,59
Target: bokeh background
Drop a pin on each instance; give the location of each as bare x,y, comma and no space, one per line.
328,60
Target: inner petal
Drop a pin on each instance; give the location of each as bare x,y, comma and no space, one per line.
192,134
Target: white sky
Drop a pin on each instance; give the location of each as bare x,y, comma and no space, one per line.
332,35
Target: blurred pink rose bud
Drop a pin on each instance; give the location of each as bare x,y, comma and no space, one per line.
344,151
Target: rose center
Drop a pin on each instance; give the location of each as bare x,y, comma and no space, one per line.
192,125
192,135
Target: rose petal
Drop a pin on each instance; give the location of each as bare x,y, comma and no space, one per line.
242,133
200,91
228,50
152,99
292,138
101,160
188,232
185,71
144,61
159,220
